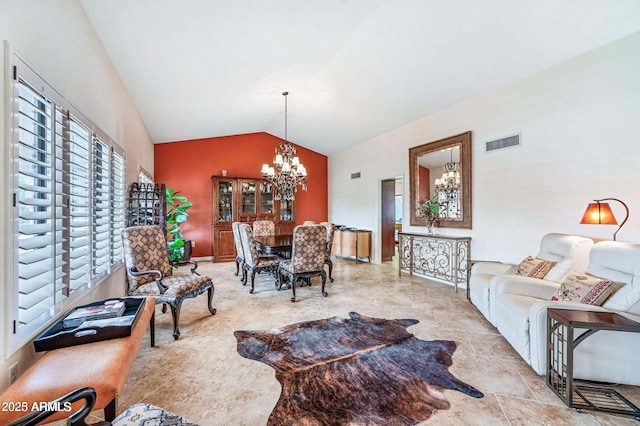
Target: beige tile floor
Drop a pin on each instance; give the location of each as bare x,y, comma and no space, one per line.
202,377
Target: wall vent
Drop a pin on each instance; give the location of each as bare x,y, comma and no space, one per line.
507,142
355,175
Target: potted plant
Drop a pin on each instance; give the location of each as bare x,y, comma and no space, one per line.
431,211
179,248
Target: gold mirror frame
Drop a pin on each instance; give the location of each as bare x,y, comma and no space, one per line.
463,141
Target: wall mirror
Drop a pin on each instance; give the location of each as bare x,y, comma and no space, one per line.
442,168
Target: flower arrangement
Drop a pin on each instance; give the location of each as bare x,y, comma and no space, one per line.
431,211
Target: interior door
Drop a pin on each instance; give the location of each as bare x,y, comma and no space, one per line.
388,219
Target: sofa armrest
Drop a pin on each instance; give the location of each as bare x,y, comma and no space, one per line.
490,268
524,286
517,284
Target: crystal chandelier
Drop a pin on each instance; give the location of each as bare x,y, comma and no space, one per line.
450,180
448,189
287,172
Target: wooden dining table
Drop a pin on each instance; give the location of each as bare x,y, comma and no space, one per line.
274,244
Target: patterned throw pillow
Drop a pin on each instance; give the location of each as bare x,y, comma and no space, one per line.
534,267
584,288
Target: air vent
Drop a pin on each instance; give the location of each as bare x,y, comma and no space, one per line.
508,142
355,175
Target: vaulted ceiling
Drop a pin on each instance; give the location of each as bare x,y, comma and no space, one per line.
354,68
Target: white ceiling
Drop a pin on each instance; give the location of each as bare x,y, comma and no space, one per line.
354,68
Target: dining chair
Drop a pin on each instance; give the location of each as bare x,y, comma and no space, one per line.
253,262
238,243
307,257
149,272
264,227
327,256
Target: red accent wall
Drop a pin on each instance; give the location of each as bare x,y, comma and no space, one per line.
424,184
187,167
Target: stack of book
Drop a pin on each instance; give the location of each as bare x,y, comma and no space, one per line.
109,309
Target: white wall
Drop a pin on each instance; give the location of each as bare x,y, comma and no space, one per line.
580,141
56,38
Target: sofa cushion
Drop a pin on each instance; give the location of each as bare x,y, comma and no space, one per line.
584,288
534,267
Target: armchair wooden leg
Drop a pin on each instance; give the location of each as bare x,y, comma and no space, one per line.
237,267
175,313
323,274
330,263
210,300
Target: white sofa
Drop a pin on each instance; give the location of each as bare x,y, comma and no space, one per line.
571,252
520,308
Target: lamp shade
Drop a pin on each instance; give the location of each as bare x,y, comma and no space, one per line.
599,213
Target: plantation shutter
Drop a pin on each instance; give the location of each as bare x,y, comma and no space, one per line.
77,179
101,208
118,188
34,201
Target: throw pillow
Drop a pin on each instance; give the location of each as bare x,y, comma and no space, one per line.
534,267
584,288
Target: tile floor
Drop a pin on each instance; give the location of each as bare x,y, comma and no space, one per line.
202,377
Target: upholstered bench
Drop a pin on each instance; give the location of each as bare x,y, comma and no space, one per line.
102,365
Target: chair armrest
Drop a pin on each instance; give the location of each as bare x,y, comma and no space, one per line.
62,404
161,287
490,268
185,262
524,286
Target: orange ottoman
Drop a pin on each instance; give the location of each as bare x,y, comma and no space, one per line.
102,365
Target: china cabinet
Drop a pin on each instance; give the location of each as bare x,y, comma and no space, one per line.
246,200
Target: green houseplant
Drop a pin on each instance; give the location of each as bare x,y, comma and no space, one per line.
431,211
177,206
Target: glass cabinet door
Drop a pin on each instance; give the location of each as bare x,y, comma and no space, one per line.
266,198
286,210
248,197
225,201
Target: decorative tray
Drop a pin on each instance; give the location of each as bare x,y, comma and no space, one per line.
91,331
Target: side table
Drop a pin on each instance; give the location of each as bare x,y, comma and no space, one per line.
561,326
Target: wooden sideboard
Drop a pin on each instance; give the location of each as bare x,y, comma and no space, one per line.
437,256
352,243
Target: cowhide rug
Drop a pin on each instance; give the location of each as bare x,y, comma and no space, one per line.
361,370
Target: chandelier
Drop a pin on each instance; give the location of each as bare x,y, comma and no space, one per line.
287,172
449,183
448,189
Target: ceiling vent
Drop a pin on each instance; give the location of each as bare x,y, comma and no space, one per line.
508,142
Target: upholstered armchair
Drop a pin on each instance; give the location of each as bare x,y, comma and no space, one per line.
149,272
253,262
327,256
521,305
137,415
235,227
308,253
568,252
264,227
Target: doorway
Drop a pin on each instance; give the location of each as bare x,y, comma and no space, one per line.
391,220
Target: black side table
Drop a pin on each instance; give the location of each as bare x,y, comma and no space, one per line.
561,324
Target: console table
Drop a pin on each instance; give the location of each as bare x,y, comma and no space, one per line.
438,256
561,332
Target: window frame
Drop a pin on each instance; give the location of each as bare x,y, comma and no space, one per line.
57,296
